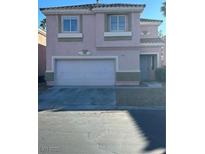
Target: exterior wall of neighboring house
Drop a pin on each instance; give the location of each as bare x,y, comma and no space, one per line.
41,53
100,43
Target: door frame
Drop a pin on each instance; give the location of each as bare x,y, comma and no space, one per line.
153,53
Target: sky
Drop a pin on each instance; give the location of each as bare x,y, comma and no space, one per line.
152,9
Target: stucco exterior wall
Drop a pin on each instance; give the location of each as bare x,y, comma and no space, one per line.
92,27
51,41
93,40
42,37
152,29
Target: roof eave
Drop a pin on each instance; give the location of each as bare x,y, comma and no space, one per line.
56,10
119,9
66,11
150,23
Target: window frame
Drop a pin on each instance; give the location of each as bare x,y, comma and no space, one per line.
69,18
125,28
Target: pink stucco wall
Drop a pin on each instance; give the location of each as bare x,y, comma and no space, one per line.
93,40
99,18
152,29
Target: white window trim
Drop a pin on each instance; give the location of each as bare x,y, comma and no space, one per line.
70,35
69,17
111,34
117,23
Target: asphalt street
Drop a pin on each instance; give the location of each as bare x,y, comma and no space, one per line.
102,132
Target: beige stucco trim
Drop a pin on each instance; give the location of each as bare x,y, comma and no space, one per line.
41,37
42,32
111,34
70,35
153,53
83,57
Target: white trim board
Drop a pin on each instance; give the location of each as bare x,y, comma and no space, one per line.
151,44
70,35
150,23
111,34
128,71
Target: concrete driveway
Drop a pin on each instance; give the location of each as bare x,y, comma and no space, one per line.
76,97
102,132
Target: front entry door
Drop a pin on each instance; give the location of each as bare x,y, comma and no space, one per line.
148,65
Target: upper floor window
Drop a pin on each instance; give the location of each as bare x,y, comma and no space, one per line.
117,23
69,24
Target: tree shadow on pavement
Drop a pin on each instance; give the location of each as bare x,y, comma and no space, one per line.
153,125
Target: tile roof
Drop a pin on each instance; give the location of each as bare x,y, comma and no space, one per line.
91,6
150,20
151,40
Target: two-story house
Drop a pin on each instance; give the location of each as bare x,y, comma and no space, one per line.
100,44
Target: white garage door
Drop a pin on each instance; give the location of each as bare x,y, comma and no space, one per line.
84,72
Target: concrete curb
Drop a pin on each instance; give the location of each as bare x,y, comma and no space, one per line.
81,108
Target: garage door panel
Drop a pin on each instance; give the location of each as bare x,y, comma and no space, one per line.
84,72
